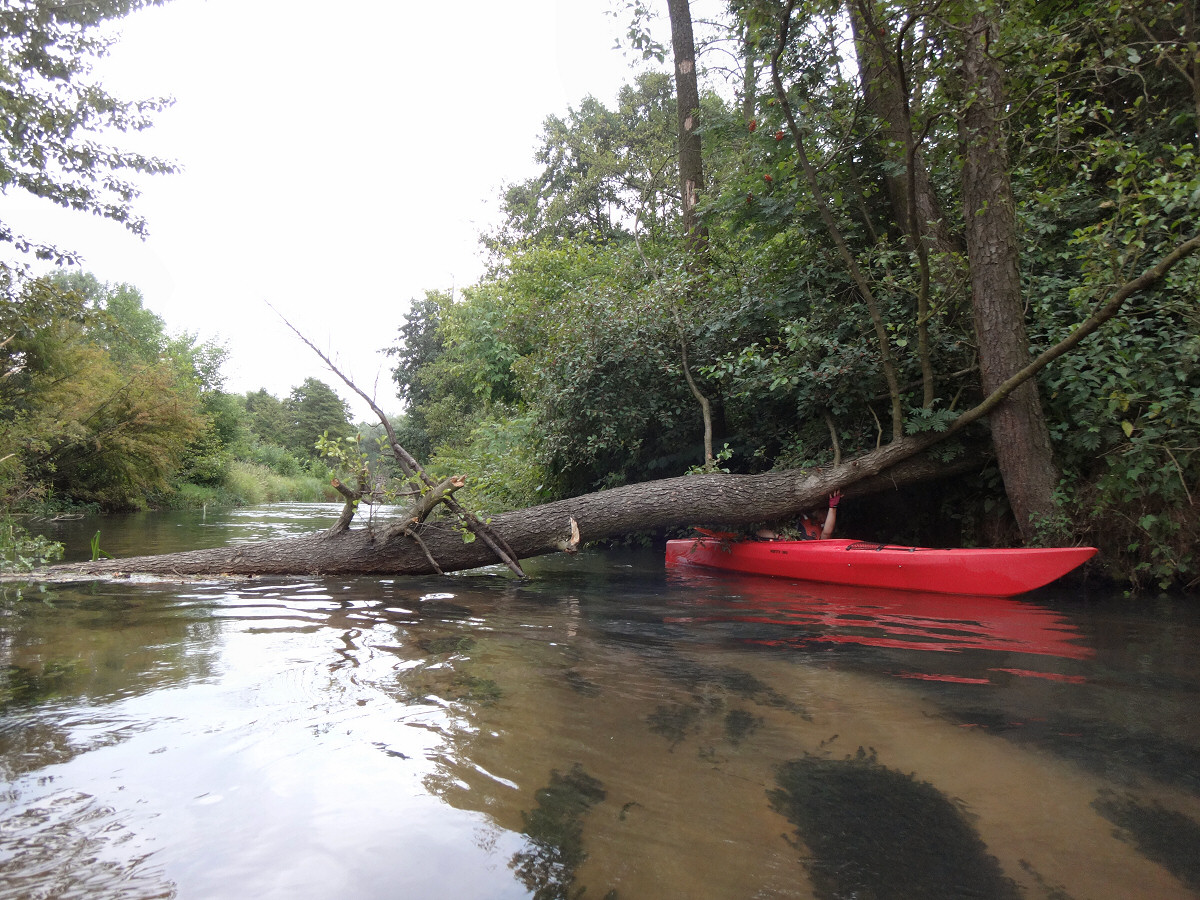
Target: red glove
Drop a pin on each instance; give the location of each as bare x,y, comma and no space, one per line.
834,499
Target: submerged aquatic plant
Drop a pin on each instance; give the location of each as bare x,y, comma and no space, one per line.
21,551
875,832
555,832
1163,835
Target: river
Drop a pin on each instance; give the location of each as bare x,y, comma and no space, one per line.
603,727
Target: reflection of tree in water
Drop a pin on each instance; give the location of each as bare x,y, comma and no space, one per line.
555,831
101,642
69,659
30,685
94,645
875,832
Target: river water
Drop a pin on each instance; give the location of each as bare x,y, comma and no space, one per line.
602,728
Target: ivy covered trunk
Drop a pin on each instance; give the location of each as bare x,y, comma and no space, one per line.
1019,432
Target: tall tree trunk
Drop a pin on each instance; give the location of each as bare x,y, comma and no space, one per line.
687,98
691,179
1019,432
886,93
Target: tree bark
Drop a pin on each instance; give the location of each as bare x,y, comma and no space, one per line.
1019,431
687,99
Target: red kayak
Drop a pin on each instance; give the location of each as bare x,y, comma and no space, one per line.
983,572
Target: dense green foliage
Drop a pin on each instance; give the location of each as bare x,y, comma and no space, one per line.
313,409
90,410
573,348
101,408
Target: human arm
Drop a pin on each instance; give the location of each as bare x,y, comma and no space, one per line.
831,517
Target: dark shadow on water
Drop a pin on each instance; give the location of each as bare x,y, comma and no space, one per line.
873,832
1100,747
1169,838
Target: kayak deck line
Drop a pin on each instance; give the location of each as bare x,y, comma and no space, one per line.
870,545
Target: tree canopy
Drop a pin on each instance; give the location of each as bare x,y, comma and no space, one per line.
313,410
56,123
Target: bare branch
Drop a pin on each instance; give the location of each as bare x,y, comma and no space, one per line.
408,532
409,464
1144,281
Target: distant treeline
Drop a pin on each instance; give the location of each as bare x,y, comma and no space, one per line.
101,408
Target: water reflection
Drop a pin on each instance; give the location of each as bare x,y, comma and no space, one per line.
168,531
805,616
599,727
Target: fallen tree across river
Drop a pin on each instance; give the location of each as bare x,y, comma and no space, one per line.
712,499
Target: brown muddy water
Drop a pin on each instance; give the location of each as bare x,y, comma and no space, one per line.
603,728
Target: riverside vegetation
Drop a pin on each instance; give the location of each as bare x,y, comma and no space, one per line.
102,410
820,276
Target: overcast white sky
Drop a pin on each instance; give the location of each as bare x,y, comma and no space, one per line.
338,160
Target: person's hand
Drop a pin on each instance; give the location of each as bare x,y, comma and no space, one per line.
834,499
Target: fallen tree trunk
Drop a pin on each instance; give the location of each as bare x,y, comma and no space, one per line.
715,499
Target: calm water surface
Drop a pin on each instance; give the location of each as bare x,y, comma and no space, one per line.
601,727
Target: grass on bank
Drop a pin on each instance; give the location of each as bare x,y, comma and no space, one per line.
251,484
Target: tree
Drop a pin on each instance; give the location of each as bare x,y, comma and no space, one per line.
552,527
88,412
687,99
315,409
124,326
606,174
267,417
1019,430
54,122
